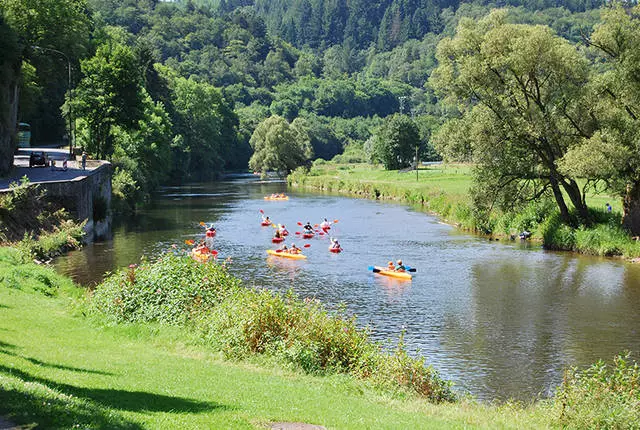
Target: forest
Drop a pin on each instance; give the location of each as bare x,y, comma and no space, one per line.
174,91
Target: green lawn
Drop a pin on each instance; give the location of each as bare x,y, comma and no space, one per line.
452,179
59,369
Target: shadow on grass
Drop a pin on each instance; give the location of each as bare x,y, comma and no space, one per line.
63,367
92,407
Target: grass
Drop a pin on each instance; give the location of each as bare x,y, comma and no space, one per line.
59,369
443,189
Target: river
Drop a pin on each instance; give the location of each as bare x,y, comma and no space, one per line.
502,320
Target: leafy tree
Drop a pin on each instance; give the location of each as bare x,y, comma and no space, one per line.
611,153
396,141
280,146
111,94
520,90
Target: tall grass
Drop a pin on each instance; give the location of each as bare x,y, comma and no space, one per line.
241,322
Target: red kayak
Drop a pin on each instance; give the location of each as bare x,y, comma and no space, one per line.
265,224
210,233
277,239
336,250
307,235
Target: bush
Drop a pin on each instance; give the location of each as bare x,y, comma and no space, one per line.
179,291
601,396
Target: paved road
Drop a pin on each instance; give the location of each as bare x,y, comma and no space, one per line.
45,174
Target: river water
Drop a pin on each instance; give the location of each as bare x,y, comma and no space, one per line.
502,320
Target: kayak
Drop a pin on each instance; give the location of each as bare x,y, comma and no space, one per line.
210,233
307,235
265,224
392,273
277,239
325,228
276,198
336,250
201,256
285,254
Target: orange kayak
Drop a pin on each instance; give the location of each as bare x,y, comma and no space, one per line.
392,273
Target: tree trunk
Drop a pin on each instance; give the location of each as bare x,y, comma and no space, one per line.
631,209
9,91
575,195
557,193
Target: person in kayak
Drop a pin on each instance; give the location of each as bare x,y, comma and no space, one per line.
308,227
391,266
283,230
265,219
277,234
334,243
325,225
294,249
283,248
209,235
400,267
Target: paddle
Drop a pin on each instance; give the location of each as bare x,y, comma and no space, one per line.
202,224
297,232
189,242
335,221
306,245
299,223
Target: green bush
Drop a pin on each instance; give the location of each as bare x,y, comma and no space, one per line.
601,397
239,322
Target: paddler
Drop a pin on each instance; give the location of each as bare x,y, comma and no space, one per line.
391,266
209,235
325,225
400,267
294,249
334,243
283,230
308,227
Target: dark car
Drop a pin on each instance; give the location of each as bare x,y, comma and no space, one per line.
38,159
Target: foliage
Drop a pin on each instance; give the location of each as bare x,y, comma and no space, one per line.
396,141
39,226
602,396
176,290
279,146
520,90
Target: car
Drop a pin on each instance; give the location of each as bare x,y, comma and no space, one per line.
38,159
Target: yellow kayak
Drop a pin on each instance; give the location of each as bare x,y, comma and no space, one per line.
276,198
285,254
202,257
392,273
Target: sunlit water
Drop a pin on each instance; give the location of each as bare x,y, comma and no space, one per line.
500,320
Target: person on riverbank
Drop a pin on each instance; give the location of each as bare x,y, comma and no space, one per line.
84,160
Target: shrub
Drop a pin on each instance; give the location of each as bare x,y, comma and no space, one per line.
601,396
179,291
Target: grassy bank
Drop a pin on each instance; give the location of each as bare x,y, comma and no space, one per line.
63,365
442,189
60,369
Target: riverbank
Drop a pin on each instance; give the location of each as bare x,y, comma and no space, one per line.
442,190
60,369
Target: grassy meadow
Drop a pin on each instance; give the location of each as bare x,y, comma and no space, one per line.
443,189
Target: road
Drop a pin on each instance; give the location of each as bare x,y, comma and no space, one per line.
45,174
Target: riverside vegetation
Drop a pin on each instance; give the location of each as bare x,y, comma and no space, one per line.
152,347
443,189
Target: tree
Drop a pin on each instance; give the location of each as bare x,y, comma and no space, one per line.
520,91
110,94
61,24
612,153
280,146
396,142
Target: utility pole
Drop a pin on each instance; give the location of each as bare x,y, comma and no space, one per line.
402,99
416,163
68,89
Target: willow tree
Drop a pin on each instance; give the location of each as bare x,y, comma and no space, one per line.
519,89
280,146
612,153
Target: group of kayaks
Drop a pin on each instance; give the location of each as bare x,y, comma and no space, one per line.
203,254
